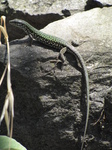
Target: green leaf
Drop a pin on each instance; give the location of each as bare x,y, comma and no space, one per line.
5,142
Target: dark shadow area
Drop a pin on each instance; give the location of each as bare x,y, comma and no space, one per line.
90,4
38,21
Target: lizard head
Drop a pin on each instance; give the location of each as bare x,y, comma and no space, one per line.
18,23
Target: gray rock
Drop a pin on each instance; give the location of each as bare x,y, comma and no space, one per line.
34,7
50,107
93,24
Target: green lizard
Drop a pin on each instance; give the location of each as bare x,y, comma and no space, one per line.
57,43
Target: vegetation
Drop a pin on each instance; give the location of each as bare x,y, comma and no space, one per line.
7,143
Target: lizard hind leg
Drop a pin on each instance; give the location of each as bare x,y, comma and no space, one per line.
61,54
60,60
30,40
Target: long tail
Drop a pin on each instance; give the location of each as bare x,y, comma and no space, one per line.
87,94
85,73
87,118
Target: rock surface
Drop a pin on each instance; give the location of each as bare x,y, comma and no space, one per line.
35,7
94,24
50,107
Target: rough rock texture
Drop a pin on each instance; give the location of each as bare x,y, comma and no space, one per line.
47,103
34,7
50,107
84,25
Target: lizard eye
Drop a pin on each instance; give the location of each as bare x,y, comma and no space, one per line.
19,24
